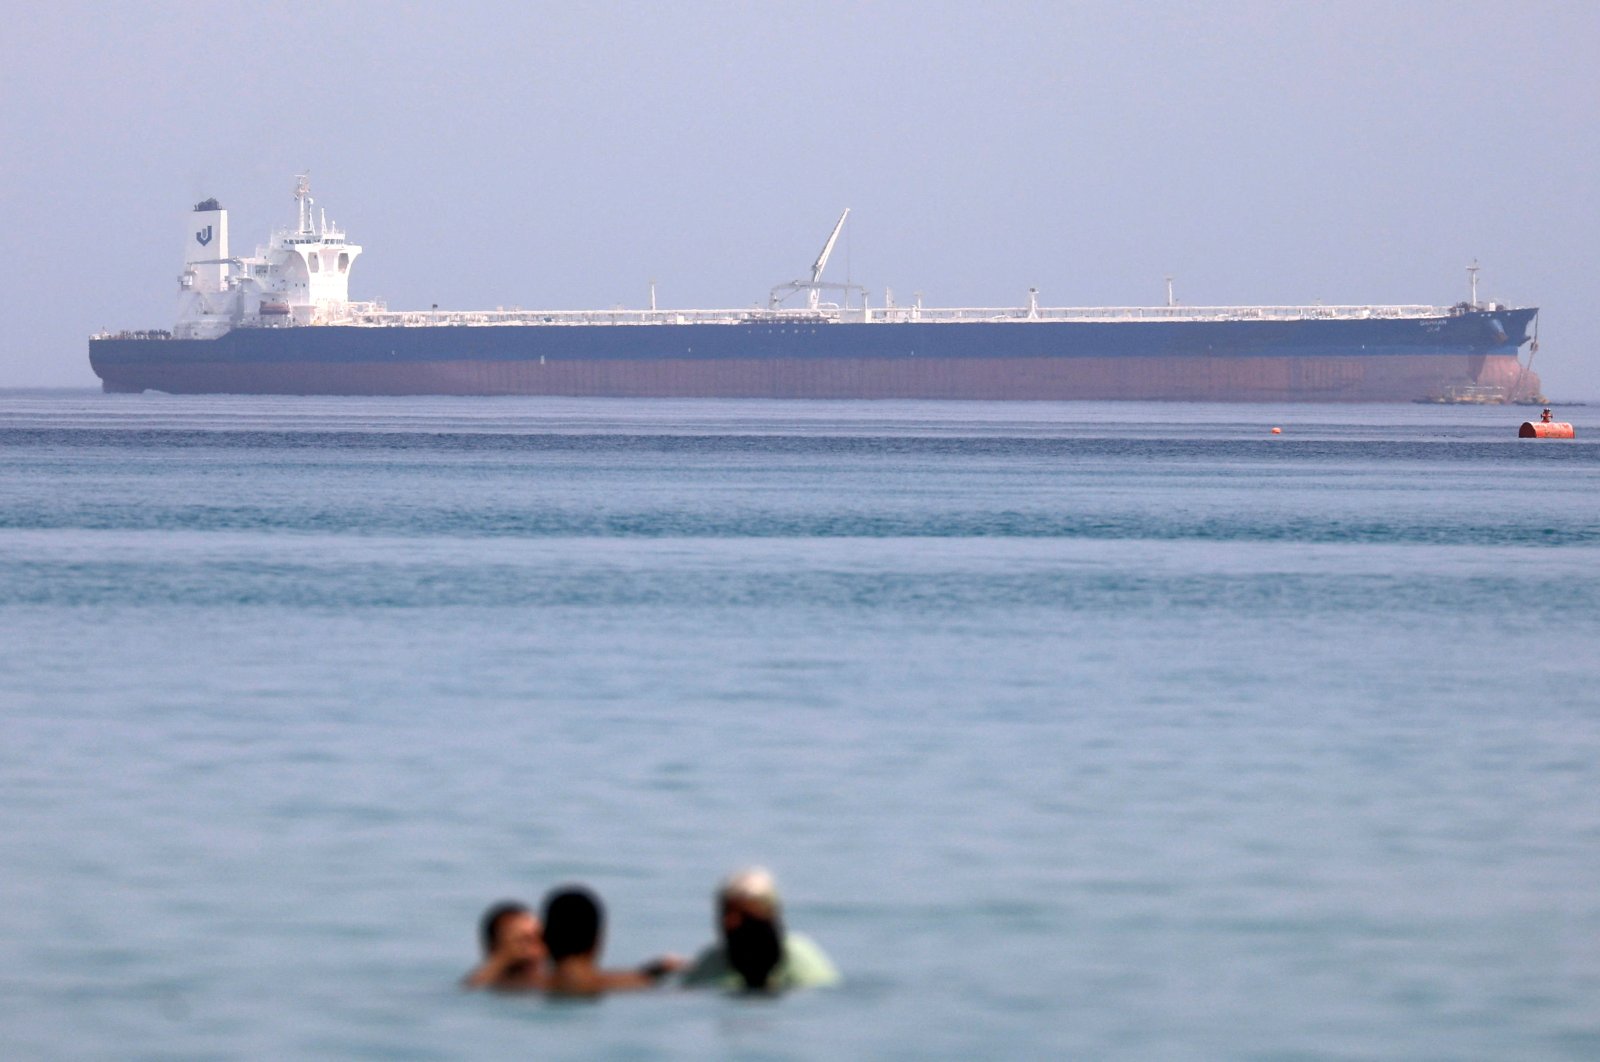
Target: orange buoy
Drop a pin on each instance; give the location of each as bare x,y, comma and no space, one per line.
1277,431
1545,429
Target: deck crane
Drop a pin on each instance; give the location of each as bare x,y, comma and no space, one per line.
815,286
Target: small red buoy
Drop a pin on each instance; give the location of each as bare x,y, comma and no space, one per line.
1545,429
1277,431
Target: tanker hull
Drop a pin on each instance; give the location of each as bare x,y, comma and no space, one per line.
1371,360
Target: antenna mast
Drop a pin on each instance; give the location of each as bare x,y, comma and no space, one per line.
1472,274
302,195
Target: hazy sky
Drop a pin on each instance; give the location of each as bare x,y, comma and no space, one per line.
562,155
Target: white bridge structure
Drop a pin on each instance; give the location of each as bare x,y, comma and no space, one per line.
302,276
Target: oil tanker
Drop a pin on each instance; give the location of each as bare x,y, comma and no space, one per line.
281,322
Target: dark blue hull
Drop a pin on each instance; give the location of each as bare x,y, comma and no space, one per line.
1365,359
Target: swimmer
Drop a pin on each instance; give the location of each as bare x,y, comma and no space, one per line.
574,928
752,894
513,950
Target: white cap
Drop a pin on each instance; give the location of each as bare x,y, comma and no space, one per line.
751,883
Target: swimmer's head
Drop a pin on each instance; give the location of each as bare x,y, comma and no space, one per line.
504,922
751,892
573,920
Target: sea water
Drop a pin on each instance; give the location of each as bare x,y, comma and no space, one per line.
1087,730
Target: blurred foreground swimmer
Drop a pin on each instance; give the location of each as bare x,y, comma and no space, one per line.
513,950
751,895
574,930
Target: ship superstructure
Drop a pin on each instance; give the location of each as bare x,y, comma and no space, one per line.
282,322
301,277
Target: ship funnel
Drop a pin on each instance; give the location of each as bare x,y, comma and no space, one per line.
206,259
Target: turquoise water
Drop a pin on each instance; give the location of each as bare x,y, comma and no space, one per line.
1107,731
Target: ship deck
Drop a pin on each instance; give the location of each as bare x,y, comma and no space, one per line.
377,315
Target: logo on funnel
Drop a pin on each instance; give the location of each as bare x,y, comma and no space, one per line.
203,236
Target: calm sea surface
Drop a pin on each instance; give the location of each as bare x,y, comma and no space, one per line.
1104,731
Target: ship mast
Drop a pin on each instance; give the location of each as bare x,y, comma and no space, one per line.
302,197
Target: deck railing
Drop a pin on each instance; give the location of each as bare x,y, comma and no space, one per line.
369,316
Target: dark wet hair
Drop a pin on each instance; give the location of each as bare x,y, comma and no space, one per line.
573,919
755,948
493,918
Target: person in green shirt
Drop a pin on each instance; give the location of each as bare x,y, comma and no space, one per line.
752,894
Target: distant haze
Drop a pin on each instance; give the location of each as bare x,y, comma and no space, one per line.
563,155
